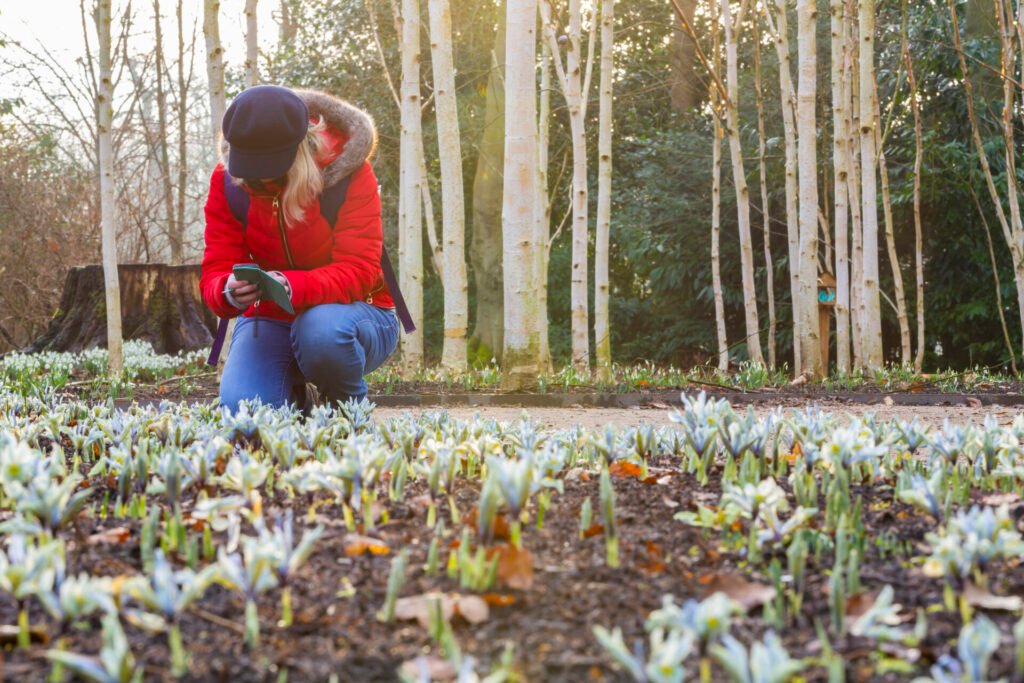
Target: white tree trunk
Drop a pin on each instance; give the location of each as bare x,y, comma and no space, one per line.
852,104
521,357
716,198
841,166
410,231
765,203
104,124
810,345
252,74
456,303
602,329
571,78
739,177
780,29
542,206
872,318
214,68
918,240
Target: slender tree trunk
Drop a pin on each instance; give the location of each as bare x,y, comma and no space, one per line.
108,227
765,203
918,240
840,156
739,177
602,330
810,346
542,208
852,103
486,243
410,234
872,319
183,103
252,73
214,68
780,30
456,304
890,239
684,92
521,359
170,220
286,25
716,197
998,285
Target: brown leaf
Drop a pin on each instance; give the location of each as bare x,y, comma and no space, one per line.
118,535
976,596
53,245
499,599
973,402
357,544
624,469
859,603
593,530
435,668
472,608
653,559
748,594
997,499
515,566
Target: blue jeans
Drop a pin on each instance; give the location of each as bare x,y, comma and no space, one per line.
331,345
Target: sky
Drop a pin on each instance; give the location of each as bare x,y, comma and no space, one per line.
56,24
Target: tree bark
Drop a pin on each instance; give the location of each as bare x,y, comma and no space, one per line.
214,68
170,220
105,152
163,305
286,25
716,198
178,238
810,345
486,244
852,104
915,107
872,316
456,305
780,31
542,208
765,203
410,234
252,73
521,357
739,177
602,329
840,156
570,76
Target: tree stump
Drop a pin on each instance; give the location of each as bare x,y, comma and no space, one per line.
160,304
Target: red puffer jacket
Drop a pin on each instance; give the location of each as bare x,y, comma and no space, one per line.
337,263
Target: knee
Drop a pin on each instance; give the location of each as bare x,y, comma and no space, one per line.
323,336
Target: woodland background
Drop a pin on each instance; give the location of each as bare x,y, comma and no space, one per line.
661,302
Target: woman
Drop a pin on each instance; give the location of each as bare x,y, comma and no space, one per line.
282,150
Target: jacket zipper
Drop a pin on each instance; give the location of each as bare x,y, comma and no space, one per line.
284,235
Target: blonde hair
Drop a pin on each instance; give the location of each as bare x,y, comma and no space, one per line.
305,182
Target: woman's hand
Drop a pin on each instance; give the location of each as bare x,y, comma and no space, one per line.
241,294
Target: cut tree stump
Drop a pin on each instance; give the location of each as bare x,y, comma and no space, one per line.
160,304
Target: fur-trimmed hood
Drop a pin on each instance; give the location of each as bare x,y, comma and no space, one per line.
353,123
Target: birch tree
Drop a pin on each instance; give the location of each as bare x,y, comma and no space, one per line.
602,331
214,67
787,93
810,349
716,196
252,74
871,315
915,108
456,304
840,165
765,203
731,26
542,206
108,228
521,357
410,227
852,105
574,88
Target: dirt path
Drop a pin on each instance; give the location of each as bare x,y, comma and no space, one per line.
596,418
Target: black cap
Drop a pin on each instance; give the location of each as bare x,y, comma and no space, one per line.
264,127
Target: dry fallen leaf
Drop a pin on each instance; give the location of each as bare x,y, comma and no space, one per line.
997,499
118,535
653,559
624,468
748,594
472,608
36,634
976,596
429,667
593,530
499,599
973,402
357,544
515,566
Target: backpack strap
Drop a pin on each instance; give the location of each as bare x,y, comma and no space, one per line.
238,199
